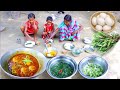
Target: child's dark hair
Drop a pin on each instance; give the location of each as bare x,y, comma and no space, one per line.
68,17
49,18
31,15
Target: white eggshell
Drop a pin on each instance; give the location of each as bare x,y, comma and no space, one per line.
94,21
101,21
107,16
98,16
103,15
109,21
106,28
99,27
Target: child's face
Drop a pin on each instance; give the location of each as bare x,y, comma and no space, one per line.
67,23
31,20
49,21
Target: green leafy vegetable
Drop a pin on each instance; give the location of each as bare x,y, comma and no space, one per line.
103,41
61,70
92,70
26,60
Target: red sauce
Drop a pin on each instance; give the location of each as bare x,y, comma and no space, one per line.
23,65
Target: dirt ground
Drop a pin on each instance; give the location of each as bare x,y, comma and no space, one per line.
13,20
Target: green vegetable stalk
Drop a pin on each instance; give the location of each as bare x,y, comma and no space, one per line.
102,42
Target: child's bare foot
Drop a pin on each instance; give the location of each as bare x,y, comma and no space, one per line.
60,40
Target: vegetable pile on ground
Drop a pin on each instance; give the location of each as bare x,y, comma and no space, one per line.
102,42
92,70
61,70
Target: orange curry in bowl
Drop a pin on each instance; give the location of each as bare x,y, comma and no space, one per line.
23,65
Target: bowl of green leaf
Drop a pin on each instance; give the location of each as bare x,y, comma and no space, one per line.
93,67
62,67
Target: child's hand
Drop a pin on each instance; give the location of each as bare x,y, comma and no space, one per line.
49,32
81,27
74,32
46,41
44,33
37,43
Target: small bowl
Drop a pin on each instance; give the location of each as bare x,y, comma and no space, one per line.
50,52
68,46
76,51
88,48
87,40
93,59
65,59
29,44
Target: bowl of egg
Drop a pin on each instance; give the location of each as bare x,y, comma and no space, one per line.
50,52
103,21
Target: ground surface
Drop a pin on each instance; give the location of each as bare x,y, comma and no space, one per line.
12,31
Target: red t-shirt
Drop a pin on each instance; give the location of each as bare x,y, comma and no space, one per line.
30,28
49,28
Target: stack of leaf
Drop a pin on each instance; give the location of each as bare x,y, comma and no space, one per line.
102,42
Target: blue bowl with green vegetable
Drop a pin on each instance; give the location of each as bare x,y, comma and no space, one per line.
93,67
62,67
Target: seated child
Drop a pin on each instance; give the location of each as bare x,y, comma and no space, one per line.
48,28
30,28
69,29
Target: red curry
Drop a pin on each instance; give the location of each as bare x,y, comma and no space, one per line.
23,65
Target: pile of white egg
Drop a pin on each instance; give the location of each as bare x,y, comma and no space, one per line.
103,22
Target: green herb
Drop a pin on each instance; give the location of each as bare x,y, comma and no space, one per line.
61,70
28,43
26,60
92,70
102,42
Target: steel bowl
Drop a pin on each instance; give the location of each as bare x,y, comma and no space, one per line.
65,59
93,59
76,51
39,56
87,40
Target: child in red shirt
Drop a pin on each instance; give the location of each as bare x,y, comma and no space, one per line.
30,28
48,28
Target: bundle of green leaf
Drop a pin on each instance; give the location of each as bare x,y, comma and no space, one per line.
92,70
102,42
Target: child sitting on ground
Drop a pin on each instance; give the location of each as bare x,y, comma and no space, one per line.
69,29
48,28
30,29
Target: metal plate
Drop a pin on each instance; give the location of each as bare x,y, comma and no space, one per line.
29,44
68,46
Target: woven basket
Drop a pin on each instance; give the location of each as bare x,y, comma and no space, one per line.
108,13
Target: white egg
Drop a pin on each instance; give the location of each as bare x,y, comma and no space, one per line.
94,22
99,27
109,21
106,28
101,21
108,16
98,16
103,15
